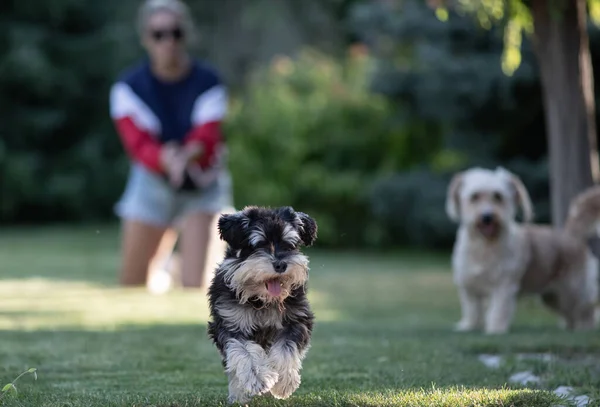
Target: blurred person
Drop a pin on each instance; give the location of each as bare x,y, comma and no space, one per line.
167,110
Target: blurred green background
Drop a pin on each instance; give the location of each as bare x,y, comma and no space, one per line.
345,111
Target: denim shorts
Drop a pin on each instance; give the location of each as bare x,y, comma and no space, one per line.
148,198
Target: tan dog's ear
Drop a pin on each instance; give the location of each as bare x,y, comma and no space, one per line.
523,199
453,198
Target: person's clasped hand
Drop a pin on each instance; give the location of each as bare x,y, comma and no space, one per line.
168,160
175,160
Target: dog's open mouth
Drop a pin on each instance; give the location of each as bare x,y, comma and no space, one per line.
489,230
273,287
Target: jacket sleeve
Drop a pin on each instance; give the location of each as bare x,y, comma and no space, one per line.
208,113
136,125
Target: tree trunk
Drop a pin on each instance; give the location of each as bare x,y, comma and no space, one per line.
562,48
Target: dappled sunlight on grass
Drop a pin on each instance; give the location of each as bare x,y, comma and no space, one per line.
53,279
56,289
321,306
454,397
40,303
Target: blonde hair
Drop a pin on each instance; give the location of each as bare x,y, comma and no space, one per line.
177,7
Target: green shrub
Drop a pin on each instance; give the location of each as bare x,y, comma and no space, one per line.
57,147
309,133
409,209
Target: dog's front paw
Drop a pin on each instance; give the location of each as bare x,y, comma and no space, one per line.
238,399
562,323
260,379
287,384
237,394
496,330
464,326
249,372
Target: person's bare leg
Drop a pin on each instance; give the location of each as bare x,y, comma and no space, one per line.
161,274
164,250
138,246
195,244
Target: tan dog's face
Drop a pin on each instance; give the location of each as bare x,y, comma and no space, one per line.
486,201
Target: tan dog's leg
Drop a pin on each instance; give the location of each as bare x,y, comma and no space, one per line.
577,297
586,320
501,308
550,300
472,310
588,295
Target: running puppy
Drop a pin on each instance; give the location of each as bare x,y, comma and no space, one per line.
261,319
495,259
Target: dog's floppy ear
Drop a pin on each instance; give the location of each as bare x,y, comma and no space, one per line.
453,198
232,228
523,199
308,229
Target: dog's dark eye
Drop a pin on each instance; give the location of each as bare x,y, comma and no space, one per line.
475,197
498,197
268,247
285,246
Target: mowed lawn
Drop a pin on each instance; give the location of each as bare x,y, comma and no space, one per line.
383,335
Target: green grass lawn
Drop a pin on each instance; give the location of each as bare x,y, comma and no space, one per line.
383,335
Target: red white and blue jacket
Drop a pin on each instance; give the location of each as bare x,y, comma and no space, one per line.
148,112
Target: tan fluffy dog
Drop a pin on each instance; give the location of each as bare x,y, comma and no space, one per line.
495,259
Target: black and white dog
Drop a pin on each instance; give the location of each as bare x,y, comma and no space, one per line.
261,319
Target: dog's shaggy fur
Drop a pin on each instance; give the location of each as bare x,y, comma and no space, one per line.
261,319
495,259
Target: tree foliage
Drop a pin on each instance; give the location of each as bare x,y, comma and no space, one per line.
514,15
308,132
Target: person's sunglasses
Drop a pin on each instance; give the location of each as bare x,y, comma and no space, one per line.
159,35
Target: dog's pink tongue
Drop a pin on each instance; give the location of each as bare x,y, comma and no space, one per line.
489,230
274,287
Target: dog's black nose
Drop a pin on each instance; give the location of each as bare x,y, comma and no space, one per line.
279,266
487,218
